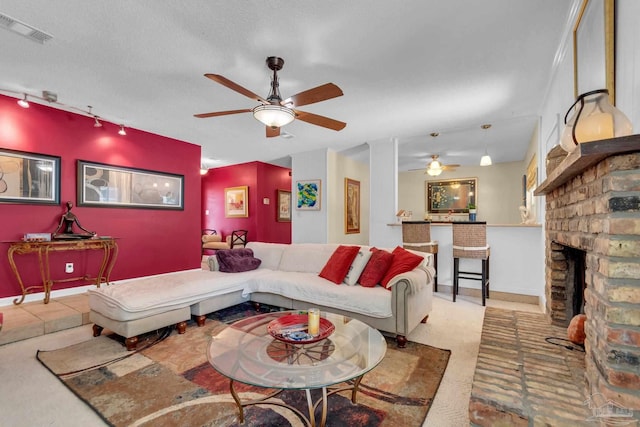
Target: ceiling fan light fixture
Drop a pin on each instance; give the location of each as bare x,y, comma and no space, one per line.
274,116
434,171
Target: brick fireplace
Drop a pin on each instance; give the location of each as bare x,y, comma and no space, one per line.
593,205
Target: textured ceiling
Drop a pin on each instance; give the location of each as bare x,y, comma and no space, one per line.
407,69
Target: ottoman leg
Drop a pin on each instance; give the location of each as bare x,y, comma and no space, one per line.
97,330
200,320
182,327
401,340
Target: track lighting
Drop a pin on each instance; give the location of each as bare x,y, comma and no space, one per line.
96,123
23,102
122,131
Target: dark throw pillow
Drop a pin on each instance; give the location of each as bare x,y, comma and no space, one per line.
237,260
376,268
338,265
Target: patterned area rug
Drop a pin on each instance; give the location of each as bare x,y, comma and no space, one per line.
169,382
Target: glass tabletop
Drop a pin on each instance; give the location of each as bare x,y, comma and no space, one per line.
246,352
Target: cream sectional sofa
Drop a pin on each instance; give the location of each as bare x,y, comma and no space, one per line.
287,277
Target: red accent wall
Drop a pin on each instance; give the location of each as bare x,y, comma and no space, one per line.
151,241
263,180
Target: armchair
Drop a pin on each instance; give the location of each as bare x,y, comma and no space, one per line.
211,240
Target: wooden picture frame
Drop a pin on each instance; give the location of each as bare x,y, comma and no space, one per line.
309,195
236,202
29,178
351,206
594,48
284,206
451,195
103,185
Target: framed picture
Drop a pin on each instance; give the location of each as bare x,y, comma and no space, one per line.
236,202
594,47
351,206
308,195
453,195
284,206
103,185
29,178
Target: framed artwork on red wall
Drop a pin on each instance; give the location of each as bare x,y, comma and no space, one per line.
236,202
103,185
284,206
29,178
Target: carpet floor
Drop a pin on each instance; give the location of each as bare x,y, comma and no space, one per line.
169,382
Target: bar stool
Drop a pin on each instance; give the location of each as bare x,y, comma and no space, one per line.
416,235
470,241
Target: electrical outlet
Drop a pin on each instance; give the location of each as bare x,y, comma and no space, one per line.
68,268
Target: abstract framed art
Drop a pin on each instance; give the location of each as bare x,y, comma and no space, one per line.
351,206
308,195
103,185
236,202
29,178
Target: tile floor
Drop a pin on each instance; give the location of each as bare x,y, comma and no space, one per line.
31,396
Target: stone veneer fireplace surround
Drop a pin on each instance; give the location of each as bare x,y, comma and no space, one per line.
593,204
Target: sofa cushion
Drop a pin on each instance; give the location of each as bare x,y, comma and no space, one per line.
338,264
237,260
306,257
269,253
376,268
402,262
357,266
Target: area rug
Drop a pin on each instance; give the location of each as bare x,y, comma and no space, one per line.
168,382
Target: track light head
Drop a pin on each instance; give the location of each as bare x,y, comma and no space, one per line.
23,102
96,123
122,131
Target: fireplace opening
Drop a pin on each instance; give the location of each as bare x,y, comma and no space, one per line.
576,266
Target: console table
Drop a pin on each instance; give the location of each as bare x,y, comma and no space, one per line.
108,247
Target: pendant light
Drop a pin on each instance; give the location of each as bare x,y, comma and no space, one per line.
486,159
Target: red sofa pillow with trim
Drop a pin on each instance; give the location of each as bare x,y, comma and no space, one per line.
376,268
338,265
403,261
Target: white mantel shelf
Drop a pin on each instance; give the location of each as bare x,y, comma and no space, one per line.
585,155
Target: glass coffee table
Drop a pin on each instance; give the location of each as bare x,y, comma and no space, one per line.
245,351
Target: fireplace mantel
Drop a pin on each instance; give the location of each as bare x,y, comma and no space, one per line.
584,156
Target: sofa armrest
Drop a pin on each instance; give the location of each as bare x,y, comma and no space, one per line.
416,278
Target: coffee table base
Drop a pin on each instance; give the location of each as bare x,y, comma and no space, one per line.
309,421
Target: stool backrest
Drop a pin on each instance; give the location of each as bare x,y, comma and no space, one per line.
416,235
469,240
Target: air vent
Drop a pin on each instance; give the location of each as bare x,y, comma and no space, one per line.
23,29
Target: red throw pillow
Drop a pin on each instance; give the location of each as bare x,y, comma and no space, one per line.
338,265
376,268
403,261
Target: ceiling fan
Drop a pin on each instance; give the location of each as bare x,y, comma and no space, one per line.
435,167
275,112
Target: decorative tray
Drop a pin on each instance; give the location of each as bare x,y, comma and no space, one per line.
293,329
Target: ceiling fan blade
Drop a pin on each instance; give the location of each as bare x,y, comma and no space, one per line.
450,167
221,113
272,132
234,86
317,120
311,96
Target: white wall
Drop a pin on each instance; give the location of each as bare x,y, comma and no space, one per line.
310,226
383,163
341,167
499,191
